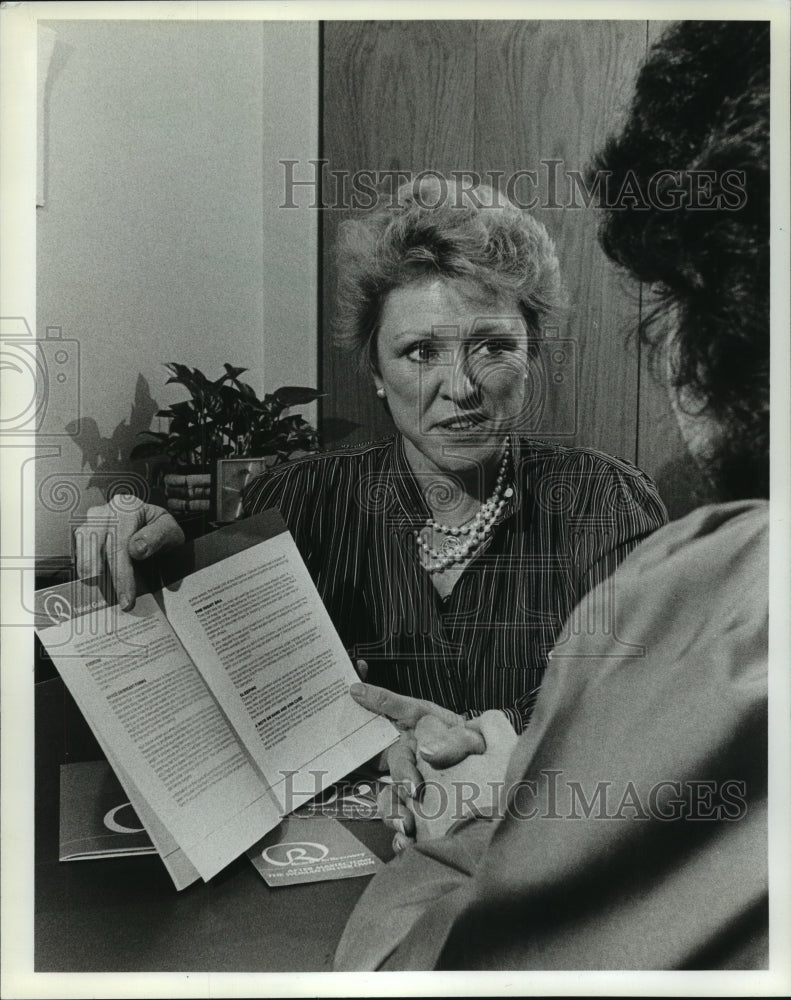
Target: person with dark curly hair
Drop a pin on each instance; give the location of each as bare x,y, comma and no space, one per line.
707,260
626,827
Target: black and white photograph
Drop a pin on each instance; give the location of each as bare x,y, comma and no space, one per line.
395,539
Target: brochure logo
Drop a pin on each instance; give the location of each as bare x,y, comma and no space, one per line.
294,853
57,608
111,820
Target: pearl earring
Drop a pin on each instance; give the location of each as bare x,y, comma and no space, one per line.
380,392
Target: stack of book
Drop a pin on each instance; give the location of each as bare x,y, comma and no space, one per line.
188,493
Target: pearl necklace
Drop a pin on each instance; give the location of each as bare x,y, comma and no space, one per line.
475,531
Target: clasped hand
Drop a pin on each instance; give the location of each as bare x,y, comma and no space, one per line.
443,768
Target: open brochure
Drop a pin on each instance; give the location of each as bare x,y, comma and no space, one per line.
221,699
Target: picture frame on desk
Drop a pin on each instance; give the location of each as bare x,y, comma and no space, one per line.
232,476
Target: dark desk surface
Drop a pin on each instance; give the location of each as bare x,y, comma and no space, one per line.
124,914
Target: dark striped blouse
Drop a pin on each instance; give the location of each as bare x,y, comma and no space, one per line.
574,515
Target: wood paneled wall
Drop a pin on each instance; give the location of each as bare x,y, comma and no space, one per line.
506,96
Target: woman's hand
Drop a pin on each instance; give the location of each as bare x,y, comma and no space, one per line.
115,534
406,712
400,708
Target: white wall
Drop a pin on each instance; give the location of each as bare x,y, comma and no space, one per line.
160,237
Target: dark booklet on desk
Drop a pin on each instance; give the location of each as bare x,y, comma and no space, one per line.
96,818
221,700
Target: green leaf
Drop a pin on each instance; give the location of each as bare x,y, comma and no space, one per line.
147,449
157,435
226,417
186,408
230,397
192,379
296,395
247,391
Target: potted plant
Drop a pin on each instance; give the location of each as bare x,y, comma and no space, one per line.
222,419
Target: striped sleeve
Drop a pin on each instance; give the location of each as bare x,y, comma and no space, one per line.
615,507
290,489
623,507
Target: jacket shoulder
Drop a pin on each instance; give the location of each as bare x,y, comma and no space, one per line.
322,472
592,480
562,458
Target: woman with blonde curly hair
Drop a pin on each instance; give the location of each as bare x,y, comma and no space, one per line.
449,554
442,554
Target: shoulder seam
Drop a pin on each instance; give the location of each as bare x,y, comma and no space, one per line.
565,451
346,451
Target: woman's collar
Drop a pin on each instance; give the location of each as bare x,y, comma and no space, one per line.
411,508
